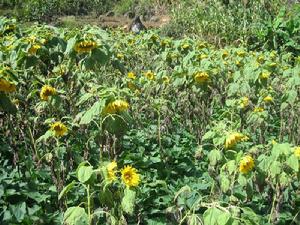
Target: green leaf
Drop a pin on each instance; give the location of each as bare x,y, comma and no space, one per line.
293,162
66,189
95,110
242,180
6,105
214,156
215,216
19,211
225,183
76,216
275,168
128,201
84,173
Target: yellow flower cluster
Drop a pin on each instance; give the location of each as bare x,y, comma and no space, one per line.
112,170
268,99
116,106
246,164
131,75
85,46
33,49
46,92
130,177
297,151
201,77
233,138
264,75
258,109
58,128
7,86
244,102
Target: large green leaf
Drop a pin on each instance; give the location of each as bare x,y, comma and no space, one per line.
128,201
95,110
76,216
84,173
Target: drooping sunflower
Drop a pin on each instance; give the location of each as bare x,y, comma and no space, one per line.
7,86
233,138
47,91
112,170
268,99
33,49
130,177
85,46
201,77
246,164
59,129
116,106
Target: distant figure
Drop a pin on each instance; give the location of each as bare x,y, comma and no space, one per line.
137,26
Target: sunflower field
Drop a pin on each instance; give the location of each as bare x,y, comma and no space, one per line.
107,127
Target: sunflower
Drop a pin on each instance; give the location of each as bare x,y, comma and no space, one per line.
201,77
85,46
246,164
111,170
233,138
58,128
297,151
149,75
130,177
7,86
46,92
33,49
131,75
264,75
268,99
116,107
244,102
258,109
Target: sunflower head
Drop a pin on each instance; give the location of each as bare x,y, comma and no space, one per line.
244,102
149,75
58,128
130,177
233,138
116,106
297,151
85,46
7,86
131,75
112,170
47,91
201,77
246,164
268,99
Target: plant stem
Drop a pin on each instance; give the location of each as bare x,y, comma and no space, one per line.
89,203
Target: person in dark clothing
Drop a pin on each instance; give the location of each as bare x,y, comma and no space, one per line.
137,26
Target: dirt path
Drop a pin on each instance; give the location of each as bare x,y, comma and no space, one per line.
111,21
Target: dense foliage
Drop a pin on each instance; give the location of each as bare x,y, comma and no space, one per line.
106,127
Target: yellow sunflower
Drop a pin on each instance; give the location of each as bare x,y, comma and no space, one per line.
7,86
112,170
130,177
297,151
59,129
47,91
268,99
149,75
246,164
233,138
85,46
131,75
244,102
33,49
116,107
201,77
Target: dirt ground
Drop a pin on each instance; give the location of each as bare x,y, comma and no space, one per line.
103,21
